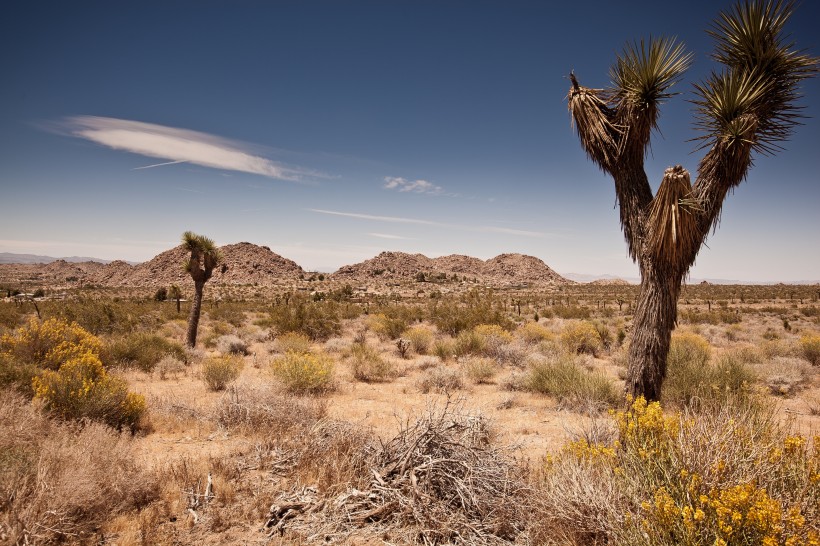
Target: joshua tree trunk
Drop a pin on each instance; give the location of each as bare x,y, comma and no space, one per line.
654,320
193,318
204,257
747,107
178,308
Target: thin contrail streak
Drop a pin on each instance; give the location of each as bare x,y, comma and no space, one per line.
159,165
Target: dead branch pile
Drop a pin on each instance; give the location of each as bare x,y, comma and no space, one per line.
439,481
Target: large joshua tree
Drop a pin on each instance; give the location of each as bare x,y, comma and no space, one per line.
204,258
746,107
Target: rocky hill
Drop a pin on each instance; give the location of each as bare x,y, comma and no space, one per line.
243,263
503,270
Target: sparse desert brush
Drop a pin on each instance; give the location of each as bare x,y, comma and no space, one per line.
304,373
387,326
469,342
368,365
442,380
719,475
60,482
444,348
478,369
785,376
420,338
533,332
10,314
82,388
49,343
261,409
292,341
495,338
691,376
561,377
232,344
318,320
810,346
142,350
218,371
169,366
581,337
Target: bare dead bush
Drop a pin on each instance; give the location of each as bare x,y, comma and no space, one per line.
441,480
61,481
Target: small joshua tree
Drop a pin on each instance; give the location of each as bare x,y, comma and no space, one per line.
175,294
204,258
745,108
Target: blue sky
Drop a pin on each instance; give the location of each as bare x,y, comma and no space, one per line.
333,130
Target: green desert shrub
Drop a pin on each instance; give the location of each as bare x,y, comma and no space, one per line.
561,377
368,365
479,370
387,326
469,342
317,320
219,371
142,350
304,373
533,332
692,377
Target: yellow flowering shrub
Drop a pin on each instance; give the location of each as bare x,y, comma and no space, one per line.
724,476
82,388
810,345
581,337
304,372
218,371
533,332
49,343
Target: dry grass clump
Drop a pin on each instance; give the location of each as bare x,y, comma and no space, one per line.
581,337
479,370
218,371
785,376
368,365
292,341
562,377
725,474
169,366
441,379
232,344
60,482
421,339
304,373
439,481
262,410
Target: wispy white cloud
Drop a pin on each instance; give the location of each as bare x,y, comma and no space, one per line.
388,236
178,146
401,220
411,186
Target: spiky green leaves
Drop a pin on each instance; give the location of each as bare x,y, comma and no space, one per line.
205,256
645,71
753,100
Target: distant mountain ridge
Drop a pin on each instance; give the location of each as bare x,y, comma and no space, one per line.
13,258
